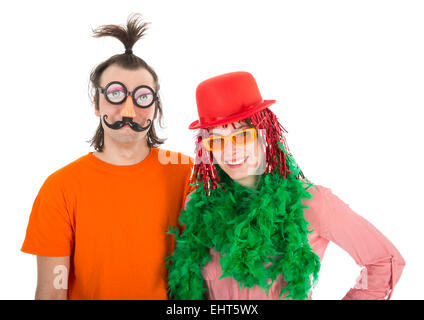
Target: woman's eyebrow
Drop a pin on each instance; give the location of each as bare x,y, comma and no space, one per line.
243,126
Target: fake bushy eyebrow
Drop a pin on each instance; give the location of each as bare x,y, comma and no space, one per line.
115,89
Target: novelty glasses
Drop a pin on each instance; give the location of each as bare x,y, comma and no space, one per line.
116,93
239,138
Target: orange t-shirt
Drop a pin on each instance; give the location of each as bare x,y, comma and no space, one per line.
113,222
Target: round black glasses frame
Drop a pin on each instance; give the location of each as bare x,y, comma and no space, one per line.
128,93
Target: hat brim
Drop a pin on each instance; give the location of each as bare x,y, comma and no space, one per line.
236,117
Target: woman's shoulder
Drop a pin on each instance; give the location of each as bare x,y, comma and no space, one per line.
314,207
318,192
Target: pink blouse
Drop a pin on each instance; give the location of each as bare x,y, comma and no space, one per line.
331,220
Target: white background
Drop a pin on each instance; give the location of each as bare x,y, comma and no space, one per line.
348,77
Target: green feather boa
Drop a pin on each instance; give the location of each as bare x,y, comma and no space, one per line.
250,228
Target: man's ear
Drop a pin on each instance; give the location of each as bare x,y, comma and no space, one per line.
156,112
96,111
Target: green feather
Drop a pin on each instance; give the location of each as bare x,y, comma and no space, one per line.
249,228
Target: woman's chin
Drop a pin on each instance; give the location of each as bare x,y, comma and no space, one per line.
236,173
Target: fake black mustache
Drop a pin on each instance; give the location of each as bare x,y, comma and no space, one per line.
133,125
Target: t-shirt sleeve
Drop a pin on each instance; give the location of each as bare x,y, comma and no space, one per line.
49,231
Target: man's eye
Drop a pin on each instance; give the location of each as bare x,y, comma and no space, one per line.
145,98
115,95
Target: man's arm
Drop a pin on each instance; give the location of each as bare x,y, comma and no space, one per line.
52,278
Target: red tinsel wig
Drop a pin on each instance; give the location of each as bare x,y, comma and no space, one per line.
276,159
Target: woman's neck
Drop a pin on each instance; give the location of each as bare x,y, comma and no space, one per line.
249,181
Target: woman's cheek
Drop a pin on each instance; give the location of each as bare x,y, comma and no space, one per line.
218,157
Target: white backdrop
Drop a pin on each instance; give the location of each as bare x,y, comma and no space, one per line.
347,77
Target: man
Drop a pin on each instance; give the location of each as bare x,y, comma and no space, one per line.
99,225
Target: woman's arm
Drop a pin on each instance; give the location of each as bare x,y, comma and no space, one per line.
368,247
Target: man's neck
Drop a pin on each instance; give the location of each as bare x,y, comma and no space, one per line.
122,154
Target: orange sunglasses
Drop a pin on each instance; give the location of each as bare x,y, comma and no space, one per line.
239,138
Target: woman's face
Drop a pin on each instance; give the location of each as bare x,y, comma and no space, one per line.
241,155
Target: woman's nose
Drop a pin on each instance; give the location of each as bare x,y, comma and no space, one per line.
231,149
128,109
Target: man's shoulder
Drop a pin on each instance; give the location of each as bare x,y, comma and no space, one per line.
166,157
68,171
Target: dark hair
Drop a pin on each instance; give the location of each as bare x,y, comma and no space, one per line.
128,35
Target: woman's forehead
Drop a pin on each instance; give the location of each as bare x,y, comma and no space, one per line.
226,128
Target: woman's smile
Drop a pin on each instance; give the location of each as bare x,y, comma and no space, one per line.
232,164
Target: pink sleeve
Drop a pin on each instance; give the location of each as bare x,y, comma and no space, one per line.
187,199
367,246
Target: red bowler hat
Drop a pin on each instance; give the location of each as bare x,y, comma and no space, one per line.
227,98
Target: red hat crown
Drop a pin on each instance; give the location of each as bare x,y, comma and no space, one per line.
227,98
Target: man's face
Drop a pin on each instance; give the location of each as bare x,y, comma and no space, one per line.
131,79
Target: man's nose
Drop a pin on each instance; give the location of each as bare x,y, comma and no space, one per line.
128,109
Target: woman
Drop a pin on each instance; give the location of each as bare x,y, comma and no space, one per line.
255,227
